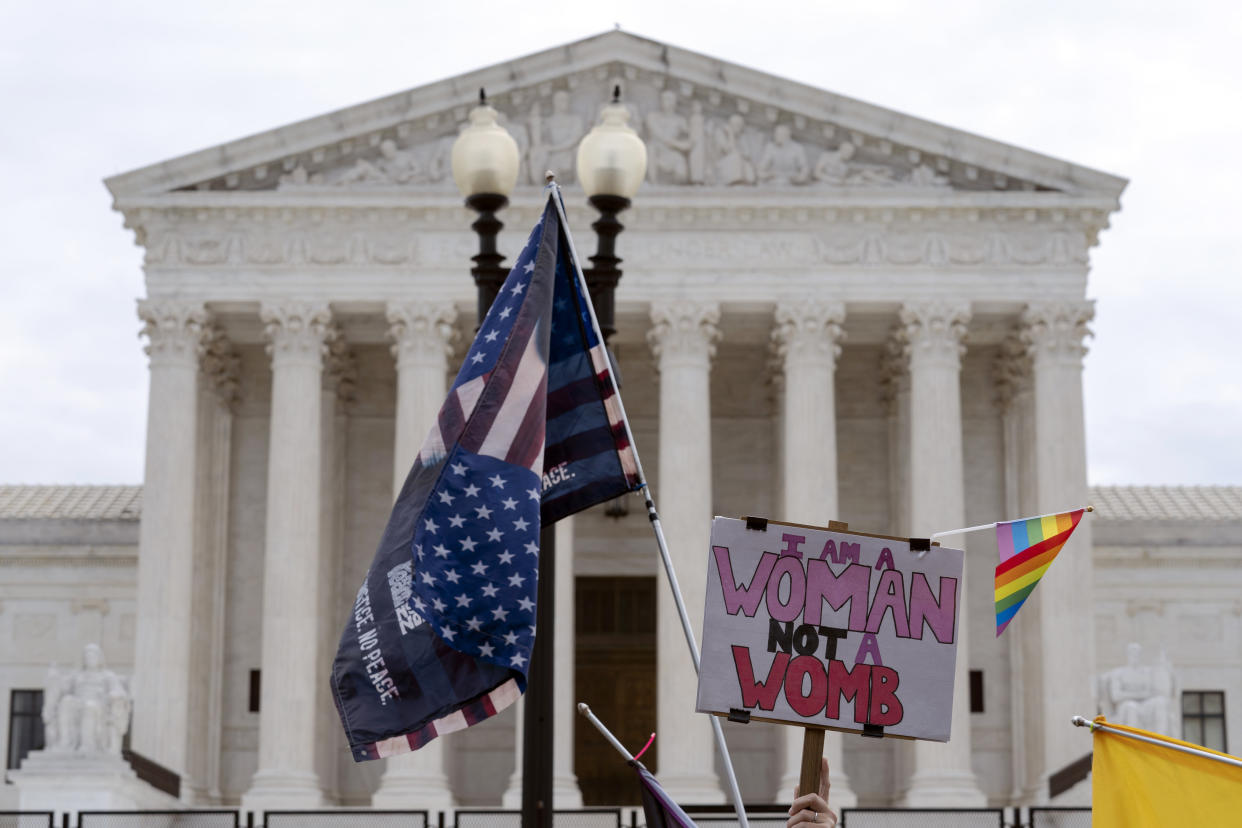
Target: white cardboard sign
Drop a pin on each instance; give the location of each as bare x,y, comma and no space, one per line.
830,629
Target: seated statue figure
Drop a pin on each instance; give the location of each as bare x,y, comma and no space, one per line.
1142,696
86,710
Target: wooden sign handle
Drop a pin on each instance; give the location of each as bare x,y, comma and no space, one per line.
812,753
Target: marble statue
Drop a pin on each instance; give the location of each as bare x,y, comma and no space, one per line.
554,140
784,160
669,143
732,166
85,710
1144,696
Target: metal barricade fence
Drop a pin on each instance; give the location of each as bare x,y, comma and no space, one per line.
923,818
723,816
584,818
1060,818
345,819
26,819
157,819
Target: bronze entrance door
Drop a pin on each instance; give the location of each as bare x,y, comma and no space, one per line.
615,673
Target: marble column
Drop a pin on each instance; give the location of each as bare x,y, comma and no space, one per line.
683,339
1012,371
162,658
933,333
1059,680
337,393
292,688
565,791
422,334
218,396
807,337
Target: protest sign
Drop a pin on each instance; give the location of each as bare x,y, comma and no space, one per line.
829,629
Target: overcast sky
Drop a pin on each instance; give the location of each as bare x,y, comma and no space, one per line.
1150,91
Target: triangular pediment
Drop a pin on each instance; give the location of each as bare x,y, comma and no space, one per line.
707,124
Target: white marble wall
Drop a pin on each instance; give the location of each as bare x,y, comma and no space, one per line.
63,584
1178,592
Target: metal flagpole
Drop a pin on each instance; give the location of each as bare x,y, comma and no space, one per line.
585,710
1079,721
983,526
654,517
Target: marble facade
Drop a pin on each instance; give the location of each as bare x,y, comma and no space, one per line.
823,302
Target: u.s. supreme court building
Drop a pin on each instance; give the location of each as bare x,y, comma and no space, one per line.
829,310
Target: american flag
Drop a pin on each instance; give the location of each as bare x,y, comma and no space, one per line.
442,629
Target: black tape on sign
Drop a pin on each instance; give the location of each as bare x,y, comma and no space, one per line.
920,544
758,524
873,731
739,716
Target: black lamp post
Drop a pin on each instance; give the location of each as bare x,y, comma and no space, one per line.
485,167
612,161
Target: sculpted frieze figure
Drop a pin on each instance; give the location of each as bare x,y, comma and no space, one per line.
692,139
784,160
670,143
732,165
925,176
393,167
833,166
1144,696
85,710
554,140
299,177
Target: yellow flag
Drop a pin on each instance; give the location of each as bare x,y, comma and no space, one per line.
1137,784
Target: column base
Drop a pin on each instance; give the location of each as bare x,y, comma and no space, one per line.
407,786
512,797
841,795
943,789
693,788
566,795
276,790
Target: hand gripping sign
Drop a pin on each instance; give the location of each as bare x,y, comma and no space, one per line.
829,629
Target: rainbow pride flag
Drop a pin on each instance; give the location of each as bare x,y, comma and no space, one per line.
1027,549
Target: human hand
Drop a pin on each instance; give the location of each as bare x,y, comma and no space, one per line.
812,808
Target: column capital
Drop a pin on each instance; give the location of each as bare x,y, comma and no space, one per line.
421,330
174,329
222,366
934,330
297,331
1011,371
1057,329
808,330
340,367
894,376
684,330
